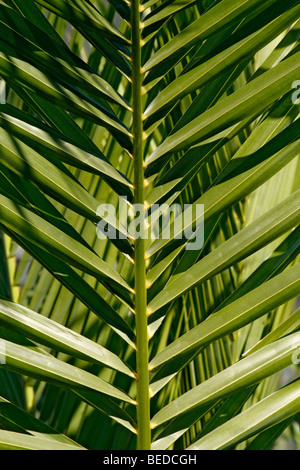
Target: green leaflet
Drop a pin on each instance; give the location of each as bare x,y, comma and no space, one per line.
256,95
54,335
18,72
19,420
291,324
237,377
34,228
50,57
271,294
44,139
17,441
210,69
267,228
269,411
85,14
224,14
243,174
161,14
77,285
44,367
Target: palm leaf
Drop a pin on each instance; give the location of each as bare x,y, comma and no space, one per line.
155,343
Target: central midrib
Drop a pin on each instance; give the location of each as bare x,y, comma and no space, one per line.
143,398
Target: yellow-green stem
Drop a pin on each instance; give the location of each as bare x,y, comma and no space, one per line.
143,399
